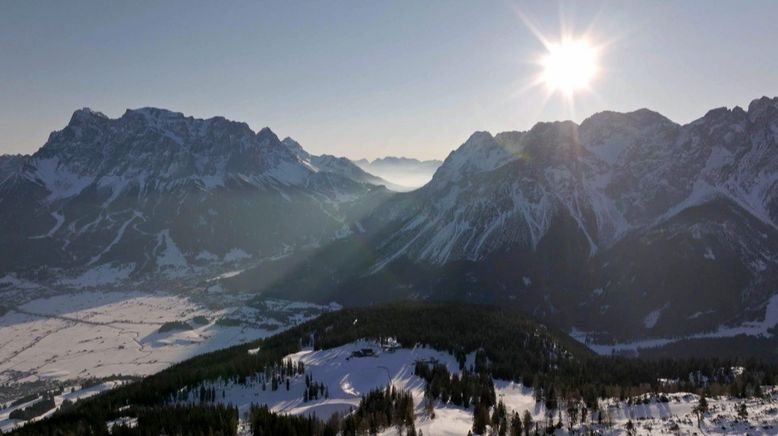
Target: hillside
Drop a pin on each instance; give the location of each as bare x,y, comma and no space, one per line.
480,340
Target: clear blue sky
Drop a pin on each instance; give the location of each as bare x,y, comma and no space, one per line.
369,78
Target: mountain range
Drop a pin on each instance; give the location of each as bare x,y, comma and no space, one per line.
155,193
624,226
627,225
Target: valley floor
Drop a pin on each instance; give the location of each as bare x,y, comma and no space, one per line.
64,340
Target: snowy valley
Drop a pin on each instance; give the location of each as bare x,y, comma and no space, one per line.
104,339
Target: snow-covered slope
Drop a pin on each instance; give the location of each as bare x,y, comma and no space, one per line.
348,378
613,174
156,191
333,164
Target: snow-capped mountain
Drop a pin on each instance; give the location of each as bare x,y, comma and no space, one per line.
504,190
627,223
407,173
155,191
334,164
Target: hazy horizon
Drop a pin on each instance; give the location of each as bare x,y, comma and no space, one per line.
368,81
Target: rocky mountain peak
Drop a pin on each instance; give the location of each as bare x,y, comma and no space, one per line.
265,134
153,113
295,146
86,115
511,139
481,152
639,119
762,106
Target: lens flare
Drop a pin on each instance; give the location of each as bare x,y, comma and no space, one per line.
569,66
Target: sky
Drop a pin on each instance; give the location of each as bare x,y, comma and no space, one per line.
367,79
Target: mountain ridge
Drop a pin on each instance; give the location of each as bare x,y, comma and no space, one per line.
627,224
156,191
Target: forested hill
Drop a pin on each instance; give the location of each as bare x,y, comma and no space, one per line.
503,335
506,346
514,347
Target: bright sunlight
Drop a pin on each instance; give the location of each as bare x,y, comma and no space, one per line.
569,66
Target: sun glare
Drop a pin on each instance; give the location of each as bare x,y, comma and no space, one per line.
569,66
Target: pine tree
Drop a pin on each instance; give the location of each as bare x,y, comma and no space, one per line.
701,409
429,406
516,424
572,412
527,422
480,418
630,427
498,414
742,411
551,402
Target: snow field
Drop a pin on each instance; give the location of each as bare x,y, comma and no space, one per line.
95,334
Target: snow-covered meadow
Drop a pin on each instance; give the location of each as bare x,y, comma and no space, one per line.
99,334
347,379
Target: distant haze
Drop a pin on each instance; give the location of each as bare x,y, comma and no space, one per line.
405,172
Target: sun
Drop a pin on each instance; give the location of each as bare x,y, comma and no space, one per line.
569,66
570,63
